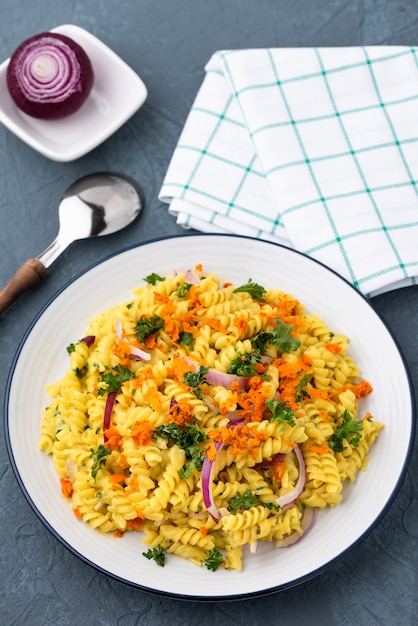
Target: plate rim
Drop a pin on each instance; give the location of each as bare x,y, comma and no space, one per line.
212,598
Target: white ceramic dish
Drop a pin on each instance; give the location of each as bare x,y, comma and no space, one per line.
117,94
42,354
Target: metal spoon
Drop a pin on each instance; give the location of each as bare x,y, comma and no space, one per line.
95,205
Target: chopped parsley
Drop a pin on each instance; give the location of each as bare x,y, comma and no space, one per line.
182,290
188,439
81,372
256,291
114,379
279,336
147,326
157,554
71,348
153,278
194,379
281,412
245,364
300,389
348,429
186,338
213,559
242,501
98,459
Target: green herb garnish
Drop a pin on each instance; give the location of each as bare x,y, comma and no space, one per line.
115,379
182,290
157,554
242,501
245,364
153,278
98,459
213,559
147,326
281,412
256,291
188,439
348,429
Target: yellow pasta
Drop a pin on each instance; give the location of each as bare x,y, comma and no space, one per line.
207,417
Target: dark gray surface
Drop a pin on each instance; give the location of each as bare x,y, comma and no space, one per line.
168,43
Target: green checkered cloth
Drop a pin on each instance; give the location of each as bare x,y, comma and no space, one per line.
316,149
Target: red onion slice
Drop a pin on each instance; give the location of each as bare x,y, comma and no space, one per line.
207,476
308,520
88,340
292,496
110,401
49,76
219,379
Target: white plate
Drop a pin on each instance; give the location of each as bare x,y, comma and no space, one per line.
116,94
41,359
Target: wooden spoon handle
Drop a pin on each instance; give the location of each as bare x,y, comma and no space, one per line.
29,275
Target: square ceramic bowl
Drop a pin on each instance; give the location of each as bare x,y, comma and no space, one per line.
117,94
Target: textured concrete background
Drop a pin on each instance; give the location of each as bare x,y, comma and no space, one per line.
168,43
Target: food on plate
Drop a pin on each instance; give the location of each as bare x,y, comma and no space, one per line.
208,415
49,76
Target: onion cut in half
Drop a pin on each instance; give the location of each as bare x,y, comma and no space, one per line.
49,76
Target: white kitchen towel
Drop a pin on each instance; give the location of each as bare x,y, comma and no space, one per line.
313,148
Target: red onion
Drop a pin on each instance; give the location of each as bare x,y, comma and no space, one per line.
308,520
110,401
49,76
292,496
88,340
221,379
207,475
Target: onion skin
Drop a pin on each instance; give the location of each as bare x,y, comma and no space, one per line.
49,76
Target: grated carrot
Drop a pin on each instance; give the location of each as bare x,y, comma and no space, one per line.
134,524
240,438
141,433
203,531
113,438
117,478
333,347
319,449
66,487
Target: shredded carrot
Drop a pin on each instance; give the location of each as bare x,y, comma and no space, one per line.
241,323
134,524
211,451
323,415
168,309
234,386
319,393
117,478
133,485
118,534
278,472
122,349
199,267
333,347
241,438
151,396
181,413
226,285
180,367
368,416
66,487
113,438
77,513
161,297
171,328
362,389
151,342
289,443
203,531
319,449
123,462
206,321
141,433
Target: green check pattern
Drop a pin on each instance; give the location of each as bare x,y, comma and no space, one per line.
313,148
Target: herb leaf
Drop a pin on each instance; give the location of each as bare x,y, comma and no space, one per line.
153,278
245,364
213,559
256,291
115,379
147,326
186,338
157,554
300,389
281,412
348,429
187,438
99,459
242,501
182,290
